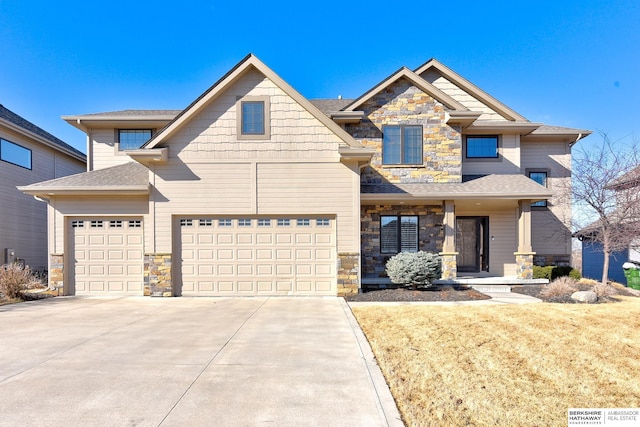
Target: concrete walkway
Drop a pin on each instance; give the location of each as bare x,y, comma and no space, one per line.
188,362
497,298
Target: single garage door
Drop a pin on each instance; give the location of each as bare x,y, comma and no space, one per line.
108,254
257,256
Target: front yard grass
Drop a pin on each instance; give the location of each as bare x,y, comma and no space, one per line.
509,365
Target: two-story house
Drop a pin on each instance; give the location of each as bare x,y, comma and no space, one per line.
28,154
254,190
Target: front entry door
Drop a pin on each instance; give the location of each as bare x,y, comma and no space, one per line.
472,243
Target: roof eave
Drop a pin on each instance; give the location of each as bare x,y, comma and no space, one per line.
347,117
360,154
375,197
523,128
147,156
463,118
131,190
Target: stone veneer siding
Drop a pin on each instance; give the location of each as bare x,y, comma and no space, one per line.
56,271
524,266
348,273
157,275
404,104
557,260
430,233
449,266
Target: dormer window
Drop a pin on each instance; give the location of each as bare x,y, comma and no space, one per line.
402,145
132,139
253,118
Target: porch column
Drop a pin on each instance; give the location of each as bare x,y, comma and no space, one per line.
524,255
449,254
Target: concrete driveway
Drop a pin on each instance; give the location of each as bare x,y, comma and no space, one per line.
188,362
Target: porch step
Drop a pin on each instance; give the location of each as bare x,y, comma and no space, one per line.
491,288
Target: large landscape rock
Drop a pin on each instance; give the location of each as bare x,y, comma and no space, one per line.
585,296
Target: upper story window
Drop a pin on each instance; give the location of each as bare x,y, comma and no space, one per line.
253,117
482,147
541,178
402,145
132,139
15,154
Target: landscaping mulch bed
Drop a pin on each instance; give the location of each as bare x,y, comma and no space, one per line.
535,291
434,293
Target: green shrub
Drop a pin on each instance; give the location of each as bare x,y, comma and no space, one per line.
552,272
414,268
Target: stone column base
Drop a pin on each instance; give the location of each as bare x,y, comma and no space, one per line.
348,273
524,265
449,265
56,273
157,275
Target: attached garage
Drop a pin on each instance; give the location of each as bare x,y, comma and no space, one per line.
107,256
256,256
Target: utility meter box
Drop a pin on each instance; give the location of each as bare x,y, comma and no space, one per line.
9,256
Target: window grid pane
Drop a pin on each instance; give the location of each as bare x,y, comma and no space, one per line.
284,222
132,139
253,118
409,234
412,145
388,234
540,178
391,146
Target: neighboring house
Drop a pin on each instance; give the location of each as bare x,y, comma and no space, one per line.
626,196
28,154
254,190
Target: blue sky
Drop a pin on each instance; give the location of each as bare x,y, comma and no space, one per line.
566,63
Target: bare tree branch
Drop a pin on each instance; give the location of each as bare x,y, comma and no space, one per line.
605,187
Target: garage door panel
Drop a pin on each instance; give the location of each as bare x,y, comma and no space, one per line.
109,256
257,256
95,240
116,240
265,254
225,254
245,270
225,239
205,239
115,270
225,269
245,286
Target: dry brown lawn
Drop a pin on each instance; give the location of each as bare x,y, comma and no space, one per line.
509,365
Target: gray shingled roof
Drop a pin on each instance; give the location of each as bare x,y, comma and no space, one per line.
25,124
133,113
128,175
554,130
328,106
515,185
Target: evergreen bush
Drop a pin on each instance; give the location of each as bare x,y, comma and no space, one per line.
414,268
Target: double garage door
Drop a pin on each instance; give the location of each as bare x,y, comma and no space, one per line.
213,256
257,256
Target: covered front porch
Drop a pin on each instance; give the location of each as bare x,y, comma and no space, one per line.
481,228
